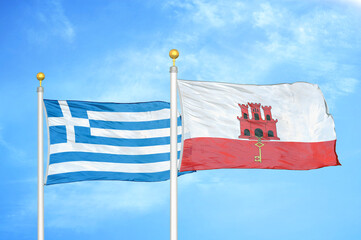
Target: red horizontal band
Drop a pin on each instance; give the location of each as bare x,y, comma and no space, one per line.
215,153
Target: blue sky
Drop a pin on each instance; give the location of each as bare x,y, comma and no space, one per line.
118,51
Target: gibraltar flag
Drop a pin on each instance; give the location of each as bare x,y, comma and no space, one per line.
282,126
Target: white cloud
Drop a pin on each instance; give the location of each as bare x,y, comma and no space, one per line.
313,44
214,46
267,16
85,204
290,38
52,22
134,75
338,87
13,150
356,3
348,85
210,13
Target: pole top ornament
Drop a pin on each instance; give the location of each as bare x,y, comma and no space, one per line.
40,76
173,54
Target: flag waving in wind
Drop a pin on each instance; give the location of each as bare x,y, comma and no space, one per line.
108,141
283,126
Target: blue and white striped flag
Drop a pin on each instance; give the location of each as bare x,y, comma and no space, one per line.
108,141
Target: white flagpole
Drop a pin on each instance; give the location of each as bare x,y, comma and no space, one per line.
173,148
40,76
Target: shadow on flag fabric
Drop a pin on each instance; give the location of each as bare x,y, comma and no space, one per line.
282,126
108,141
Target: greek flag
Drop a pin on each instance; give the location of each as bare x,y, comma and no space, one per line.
108,141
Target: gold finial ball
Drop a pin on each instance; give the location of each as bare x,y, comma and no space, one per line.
40,76
173,53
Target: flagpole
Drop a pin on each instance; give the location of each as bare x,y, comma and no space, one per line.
40,76
173,148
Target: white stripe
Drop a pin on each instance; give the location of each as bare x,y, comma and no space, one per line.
210,109
129,116
61,121
130,134
97,148
77,166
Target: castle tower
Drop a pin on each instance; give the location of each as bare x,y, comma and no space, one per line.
270,125
244,109
244,121
256,112
267,112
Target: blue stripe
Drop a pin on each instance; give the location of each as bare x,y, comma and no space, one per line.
164,123
104,157
79,108
88,175
82,135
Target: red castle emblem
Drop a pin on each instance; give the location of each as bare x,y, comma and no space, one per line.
257,127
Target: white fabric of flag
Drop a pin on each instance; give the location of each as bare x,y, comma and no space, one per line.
108,141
